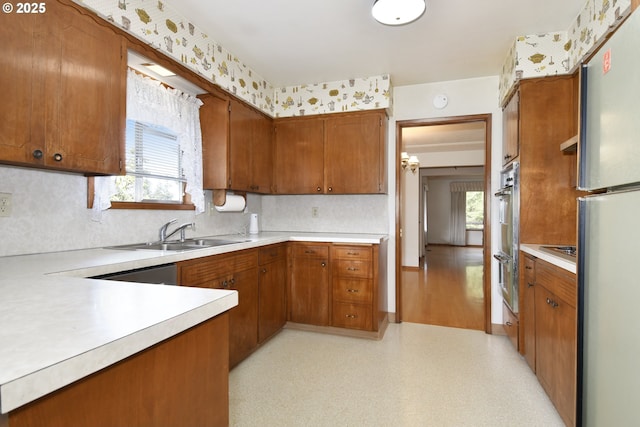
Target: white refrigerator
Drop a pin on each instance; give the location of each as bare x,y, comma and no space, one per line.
608,369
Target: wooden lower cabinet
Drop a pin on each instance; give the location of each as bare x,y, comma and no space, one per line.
527,310
337,285
556,336
182,381
309,292
353,283
272,290
510,323
235,271
259,276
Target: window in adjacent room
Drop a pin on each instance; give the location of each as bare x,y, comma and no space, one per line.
475,210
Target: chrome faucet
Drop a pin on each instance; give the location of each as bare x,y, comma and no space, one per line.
163,230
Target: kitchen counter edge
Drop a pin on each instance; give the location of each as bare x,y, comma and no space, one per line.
534,249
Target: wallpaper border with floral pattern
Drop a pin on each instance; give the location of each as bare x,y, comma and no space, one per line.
561,52
156,23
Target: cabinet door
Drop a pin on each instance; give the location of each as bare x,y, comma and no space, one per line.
214,124
309,286
243,318
17,82
262,155
299,156
272,309
510,129
556,351
354,154
77,80
241,122
527,311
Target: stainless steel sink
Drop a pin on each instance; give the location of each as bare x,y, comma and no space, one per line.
187,245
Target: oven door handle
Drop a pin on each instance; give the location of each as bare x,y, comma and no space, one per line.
503,259
503,192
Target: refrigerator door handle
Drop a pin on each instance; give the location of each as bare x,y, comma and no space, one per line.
582,140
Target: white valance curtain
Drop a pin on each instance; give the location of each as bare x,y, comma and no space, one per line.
459,209
150,102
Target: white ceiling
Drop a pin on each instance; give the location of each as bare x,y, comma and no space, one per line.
292,42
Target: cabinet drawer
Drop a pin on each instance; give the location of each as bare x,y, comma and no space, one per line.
271,253
510,323
352,316
557,280
202,271
352,252
352,290
310,251
352,268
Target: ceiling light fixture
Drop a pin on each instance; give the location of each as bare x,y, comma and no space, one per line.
409,162
397,12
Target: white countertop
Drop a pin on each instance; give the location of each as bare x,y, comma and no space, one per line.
56,326
534,249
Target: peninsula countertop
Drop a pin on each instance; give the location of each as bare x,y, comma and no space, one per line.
58,326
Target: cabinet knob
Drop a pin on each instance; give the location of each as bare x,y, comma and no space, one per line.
264,270
330,189
57,157
324,264
37,154
318,189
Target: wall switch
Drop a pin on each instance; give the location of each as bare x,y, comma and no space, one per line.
5,204
314,212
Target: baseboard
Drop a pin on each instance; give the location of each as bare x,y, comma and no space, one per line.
353,333
498,329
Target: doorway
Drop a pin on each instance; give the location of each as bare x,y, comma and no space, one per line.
439,151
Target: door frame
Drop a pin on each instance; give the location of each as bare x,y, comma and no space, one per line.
486,244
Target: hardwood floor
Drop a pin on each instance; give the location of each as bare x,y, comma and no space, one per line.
447,290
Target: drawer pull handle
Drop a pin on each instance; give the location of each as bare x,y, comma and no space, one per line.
309,251
509,324
528,267
529,284
353,291
351,316
352,269
353,253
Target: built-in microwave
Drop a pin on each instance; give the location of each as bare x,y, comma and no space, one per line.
508,214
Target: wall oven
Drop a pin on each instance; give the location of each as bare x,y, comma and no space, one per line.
507,254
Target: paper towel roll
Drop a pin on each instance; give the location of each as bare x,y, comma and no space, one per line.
233,203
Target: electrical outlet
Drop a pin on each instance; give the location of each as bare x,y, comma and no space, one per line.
314,212
5,204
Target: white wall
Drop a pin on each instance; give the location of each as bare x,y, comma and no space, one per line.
466,97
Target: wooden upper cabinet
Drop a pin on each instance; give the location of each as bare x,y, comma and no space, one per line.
331,154
355,153
237,146
510,130
214,125
250,149
64,81
548,207
299,156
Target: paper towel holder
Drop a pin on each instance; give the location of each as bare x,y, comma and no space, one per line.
220,196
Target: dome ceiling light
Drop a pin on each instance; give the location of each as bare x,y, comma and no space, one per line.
397,12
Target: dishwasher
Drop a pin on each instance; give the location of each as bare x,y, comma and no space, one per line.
166,274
